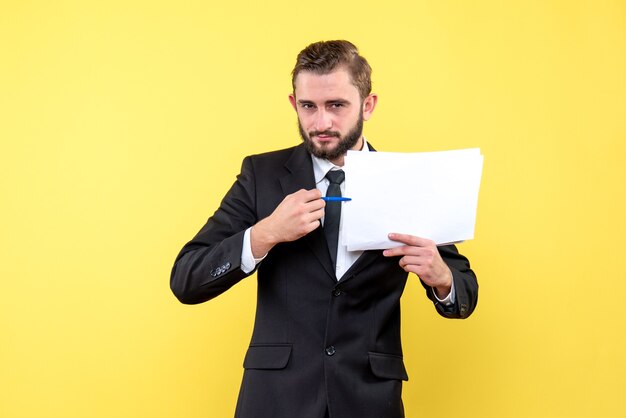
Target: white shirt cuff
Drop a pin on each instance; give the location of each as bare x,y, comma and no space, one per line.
248,262
448,300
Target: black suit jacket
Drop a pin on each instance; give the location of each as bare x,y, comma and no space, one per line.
318,343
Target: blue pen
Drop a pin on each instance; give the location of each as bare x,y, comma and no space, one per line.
335,199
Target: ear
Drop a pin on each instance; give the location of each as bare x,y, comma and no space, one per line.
369,104
292,100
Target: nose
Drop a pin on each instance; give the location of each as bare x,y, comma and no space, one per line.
323,121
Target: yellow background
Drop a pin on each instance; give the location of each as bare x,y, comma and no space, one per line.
123,123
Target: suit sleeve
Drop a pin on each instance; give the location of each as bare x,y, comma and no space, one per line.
465,284
210,263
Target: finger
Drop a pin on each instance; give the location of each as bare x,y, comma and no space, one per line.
409,264
310,195
402,251
315,215
312,226
417,270
412,268
315,204
410,240
410,261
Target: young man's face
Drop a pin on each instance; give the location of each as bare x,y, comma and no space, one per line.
330,113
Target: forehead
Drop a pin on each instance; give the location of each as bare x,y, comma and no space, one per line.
336,84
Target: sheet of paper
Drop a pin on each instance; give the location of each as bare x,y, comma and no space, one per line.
432,195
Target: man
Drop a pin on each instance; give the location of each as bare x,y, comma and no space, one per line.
326,340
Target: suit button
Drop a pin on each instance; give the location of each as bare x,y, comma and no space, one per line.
337,292
330,350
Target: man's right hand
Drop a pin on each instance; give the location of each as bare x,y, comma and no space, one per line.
298,214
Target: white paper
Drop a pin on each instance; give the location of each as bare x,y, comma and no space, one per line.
431,195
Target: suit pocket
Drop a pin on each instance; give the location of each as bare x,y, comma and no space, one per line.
387,366
267,356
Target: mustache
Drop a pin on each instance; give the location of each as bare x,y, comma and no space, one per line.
326,133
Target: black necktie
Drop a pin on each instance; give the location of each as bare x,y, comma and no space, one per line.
332,213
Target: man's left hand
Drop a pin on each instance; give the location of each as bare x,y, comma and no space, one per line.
420,256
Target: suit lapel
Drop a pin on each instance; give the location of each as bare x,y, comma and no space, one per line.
367,258
300,176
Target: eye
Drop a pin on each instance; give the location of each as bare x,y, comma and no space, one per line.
337,105
306,106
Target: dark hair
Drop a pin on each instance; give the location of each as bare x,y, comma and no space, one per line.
326,56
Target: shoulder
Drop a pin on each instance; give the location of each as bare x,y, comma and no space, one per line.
288,157
278,155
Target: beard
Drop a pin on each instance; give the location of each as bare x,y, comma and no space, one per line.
345,143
